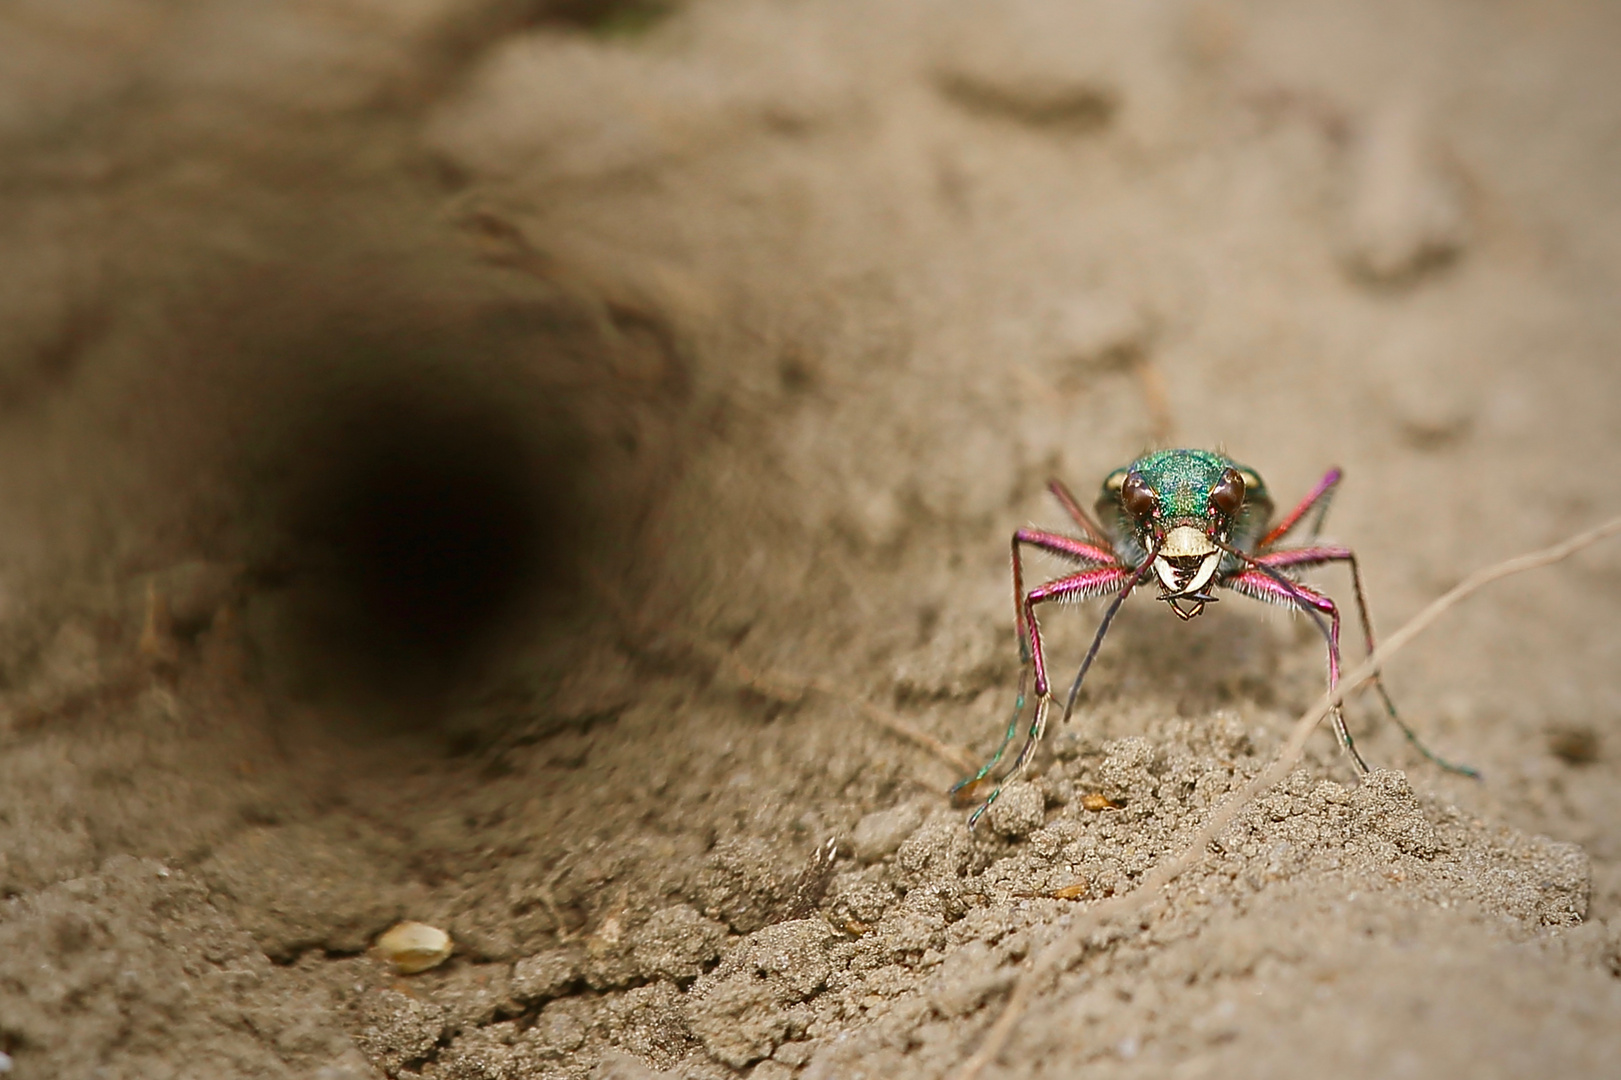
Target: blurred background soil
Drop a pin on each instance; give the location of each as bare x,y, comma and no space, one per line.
482,462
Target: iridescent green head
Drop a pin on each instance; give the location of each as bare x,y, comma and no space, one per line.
1181,505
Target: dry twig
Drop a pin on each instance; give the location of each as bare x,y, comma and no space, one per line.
783,687
1053,958
789,689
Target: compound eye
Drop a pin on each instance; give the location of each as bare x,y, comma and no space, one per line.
1137,497
1228,494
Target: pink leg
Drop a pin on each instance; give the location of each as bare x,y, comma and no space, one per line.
1319,555
1086,583
1081,586
1062,546
1256,584
1318,494
1081,517
1301,558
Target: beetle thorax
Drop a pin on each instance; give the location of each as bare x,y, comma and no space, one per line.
1187,561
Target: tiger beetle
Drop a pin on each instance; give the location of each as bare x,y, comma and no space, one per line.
1194,520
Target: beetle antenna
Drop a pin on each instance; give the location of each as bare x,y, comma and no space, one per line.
1103,628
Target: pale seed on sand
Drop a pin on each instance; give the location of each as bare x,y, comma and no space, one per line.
412,947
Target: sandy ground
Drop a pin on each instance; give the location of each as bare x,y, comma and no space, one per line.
489,464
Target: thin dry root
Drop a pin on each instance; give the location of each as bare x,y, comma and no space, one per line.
792,689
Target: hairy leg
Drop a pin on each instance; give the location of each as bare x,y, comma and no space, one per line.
1323,554
1260,586
1113,609
1054,544
1073,508
1318,497
1078,586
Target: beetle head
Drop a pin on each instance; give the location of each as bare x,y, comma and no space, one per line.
1182,527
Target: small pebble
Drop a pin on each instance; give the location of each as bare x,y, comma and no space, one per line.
1036,64
1073,892
882,832
676,942
1124,773
5,1062
1097,333
619,1066
545,975
350,1065
1020,811
1574,745
1406,212
794,1054
412,947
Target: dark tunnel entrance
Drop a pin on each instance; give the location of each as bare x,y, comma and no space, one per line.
429,522
427,515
